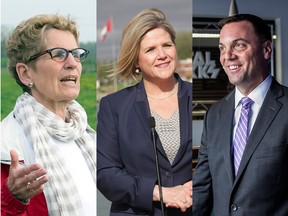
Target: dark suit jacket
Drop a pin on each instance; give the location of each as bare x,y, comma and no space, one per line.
126,171
261,185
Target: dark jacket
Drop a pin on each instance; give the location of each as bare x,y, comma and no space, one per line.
260,187
126,171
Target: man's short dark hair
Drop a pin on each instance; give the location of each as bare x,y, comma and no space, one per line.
260,26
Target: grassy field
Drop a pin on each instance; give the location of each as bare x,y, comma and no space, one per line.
87,97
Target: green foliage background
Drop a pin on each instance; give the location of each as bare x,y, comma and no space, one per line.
184,44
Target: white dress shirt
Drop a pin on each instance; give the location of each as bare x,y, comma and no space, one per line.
258,96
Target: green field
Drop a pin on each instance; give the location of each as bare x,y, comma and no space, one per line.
87,97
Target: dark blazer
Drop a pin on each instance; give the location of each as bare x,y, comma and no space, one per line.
261,185
126,171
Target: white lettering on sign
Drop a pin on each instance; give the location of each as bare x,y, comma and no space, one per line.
204,68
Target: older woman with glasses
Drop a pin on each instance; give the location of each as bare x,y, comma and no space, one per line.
48,161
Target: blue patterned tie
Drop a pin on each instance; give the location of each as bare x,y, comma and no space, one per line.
241,134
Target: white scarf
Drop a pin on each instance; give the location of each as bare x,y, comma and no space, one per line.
40,126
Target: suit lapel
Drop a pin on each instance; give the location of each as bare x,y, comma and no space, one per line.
268,111
142,110
225,119
185,115
141,107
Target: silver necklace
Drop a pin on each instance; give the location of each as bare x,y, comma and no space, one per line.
170,95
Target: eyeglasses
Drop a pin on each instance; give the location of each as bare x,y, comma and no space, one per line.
61,54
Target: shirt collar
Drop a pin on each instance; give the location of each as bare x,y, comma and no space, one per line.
258,94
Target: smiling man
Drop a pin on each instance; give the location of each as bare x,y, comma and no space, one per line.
243,157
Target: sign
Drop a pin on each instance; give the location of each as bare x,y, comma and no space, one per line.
204,67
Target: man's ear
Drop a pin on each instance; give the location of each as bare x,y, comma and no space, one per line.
267,49
23,73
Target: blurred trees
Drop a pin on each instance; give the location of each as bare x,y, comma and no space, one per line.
5,30
184,45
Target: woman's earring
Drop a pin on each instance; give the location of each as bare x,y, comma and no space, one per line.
30,85
137,70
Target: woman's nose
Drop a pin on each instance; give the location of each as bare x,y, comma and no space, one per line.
162,53
71,62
